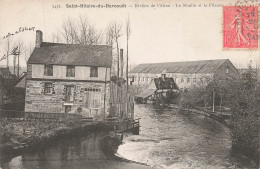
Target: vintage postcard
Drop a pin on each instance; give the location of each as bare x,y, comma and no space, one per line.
123,84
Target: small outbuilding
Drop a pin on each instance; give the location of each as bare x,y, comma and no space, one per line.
161,88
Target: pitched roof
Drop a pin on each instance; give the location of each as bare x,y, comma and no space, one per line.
21,83
202,66
72,54
165,83
146,93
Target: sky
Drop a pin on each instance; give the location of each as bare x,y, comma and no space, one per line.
159,34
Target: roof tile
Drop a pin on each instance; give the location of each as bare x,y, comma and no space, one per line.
72,54
202,66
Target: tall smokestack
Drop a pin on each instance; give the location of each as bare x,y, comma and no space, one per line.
121,63
38,38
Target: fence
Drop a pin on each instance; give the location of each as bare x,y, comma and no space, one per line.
11,114
121,102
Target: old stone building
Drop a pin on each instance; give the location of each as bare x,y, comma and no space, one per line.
185,74
68,78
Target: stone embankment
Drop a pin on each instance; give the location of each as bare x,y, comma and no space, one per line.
18,135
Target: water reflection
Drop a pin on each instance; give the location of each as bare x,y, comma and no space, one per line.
172,138
169,138
79,151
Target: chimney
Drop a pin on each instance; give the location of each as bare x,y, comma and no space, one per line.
38,38
121,63
163,75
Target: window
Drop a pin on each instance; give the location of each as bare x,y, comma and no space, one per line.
143,78
194,80
139,79
69,91
67,108
188,80
93,71
70,71
182,80
93,98
48,70
48,88
227,70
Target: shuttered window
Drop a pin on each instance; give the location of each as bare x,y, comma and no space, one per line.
93,71
48,70
70,71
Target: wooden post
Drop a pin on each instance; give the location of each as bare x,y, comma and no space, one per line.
220,104
117,81
121,63
18,73
213,107
105,94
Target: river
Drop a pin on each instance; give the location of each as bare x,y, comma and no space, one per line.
168,138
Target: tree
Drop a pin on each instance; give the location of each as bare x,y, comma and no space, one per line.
245,114
113,33
109,40
128,33
69,31
20,50
28,51
116,29
109,35
7,45
81,31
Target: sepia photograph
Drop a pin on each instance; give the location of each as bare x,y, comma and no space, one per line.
122,84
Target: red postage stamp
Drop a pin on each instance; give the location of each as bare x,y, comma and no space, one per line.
240,27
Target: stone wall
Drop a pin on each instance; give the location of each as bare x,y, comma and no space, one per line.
29,71
1,91
38,101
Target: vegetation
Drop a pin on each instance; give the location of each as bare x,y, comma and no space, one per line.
242,96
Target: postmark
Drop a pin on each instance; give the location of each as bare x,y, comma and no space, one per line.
240,27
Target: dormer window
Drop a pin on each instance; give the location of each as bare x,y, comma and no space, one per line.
227,70
93,71
70,71
48,70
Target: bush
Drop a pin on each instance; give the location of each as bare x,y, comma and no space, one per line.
245,121
245,134
187,100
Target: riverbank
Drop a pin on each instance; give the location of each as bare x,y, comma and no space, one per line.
172,138
223,118
70,145
18,135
